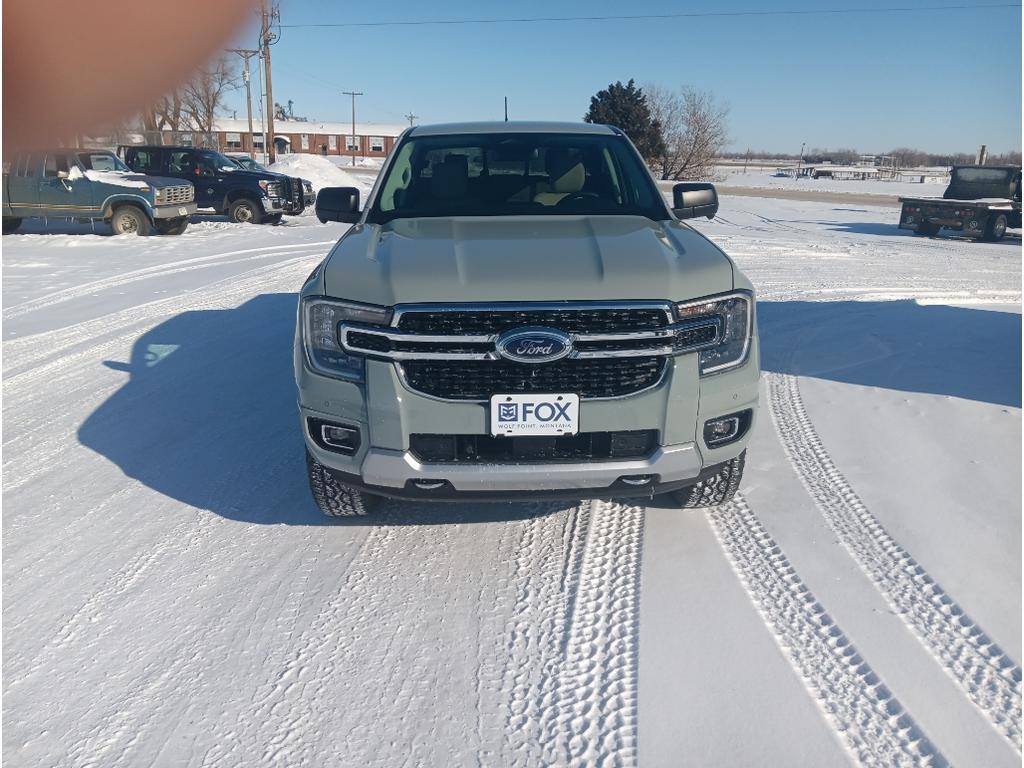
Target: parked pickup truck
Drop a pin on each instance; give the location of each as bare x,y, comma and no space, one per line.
517,312
981,201
222,187
92,184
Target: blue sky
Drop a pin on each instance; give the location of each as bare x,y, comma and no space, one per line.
942,81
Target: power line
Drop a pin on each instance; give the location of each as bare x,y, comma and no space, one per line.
660,16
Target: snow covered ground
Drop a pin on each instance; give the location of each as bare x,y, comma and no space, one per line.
172,597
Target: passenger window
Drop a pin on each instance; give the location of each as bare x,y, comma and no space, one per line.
32,162
146,161
398,179
54,165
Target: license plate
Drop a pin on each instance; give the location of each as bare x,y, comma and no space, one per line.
183,211
516,415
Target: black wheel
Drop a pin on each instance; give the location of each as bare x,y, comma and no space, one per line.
245,211
995,230
333,498
172,226
11,224
274,218
927,230
717,489
130,220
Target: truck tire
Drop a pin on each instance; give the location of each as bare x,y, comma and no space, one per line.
11,224
245,211
130,220
720,488
333,498
172,226
927,230
995,229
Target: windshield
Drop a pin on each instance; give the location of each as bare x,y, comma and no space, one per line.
218,161
248,163
101,161
516,174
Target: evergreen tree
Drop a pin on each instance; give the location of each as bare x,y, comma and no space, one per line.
625,107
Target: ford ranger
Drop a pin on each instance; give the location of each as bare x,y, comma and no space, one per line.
244,196
516,312
93,184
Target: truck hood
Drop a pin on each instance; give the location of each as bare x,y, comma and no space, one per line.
524,258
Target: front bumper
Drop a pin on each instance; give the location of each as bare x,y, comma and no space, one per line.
174,211
386,412
272,204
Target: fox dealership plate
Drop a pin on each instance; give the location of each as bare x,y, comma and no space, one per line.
520,415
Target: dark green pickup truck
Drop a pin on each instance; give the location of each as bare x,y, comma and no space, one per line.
88,185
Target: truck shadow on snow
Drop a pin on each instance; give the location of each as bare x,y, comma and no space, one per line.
208,414
208,417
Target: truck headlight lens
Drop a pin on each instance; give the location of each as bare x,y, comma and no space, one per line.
158,195
735,314
320,321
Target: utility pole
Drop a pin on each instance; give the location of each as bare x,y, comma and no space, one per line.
355,138
247,53
268,38
506,109
410,117
800,163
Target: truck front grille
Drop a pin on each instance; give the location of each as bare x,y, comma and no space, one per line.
177,195
479,379
470,449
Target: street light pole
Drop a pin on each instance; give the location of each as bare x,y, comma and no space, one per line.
355,138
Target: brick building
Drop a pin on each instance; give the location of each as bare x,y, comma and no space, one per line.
310,137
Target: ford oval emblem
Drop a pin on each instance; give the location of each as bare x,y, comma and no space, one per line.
533,345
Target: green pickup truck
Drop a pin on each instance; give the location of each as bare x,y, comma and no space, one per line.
87,184
518,312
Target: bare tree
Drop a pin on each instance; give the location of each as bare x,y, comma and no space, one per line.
695,127
203,96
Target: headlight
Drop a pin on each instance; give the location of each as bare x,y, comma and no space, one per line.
320,320
735,314
272,188
307,186
158,194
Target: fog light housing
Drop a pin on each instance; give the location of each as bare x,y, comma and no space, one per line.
338,438
726,429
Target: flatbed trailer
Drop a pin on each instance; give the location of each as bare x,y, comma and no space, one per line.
980,202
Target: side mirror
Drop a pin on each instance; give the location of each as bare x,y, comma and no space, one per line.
338,204
692,199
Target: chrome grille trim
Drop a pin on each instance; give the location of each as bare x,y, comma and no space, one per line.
179,194
488,351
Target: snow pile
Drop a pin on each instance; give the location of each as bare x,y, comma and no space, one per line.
319,171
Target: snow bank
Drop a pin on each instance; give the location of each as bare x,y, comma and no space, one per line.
318,170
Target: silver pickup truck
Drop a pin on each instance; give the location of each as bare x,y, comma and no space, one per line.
516,312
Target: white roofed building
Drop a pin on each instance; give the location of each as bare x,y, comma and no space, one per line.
295,136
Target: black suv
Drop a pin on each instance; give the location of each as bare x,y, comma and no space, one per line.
221,185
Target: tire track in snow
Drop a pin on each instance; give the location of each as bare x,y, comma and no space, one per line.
570,673
989,678
157,270
869,720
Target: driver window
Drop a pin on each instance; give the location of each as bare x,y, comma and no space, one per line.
55,164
